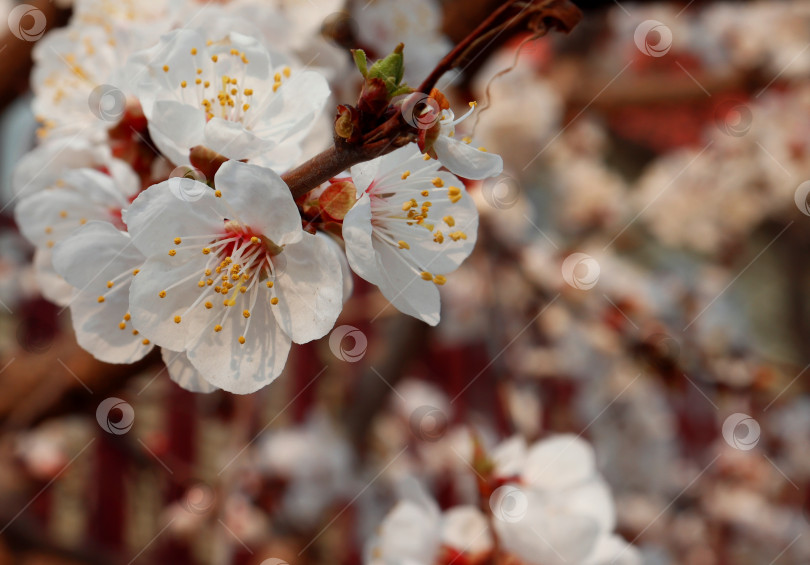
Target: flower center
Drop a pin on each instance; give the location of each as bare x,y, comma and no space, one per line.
239,266
221,88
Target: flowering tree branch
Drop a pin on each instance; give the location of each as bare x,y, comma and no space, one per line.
391,130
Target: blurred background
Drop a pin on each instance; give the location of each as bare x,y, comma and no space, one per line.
639,281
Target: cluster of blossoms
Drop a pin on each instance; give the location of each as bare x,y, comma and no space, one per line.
157,208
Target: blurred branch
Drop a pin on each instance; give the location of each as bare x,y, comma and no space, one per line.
406,335
39,385
392,130
16,62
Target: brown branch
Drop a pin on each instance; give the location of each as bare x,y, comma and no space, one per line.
538,16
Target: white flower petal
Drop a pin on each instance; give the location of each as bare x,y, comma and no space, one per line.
52,286
613,550
234,141
175,128
309,289
154,316
348,280
93,257
262,201
183,372
160,214
404,288
242,368
359,244
467,161
466,529
559,462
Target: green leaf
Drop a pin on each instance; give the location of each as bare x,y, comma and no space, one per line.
361,61
390,69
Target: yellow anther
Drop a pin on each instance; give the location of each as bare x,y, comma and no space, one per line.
162,294
109,284
177,241
425,193
146,342
244,59
426,276
50,243
484,149
248,92
426,157
49,230
199,71
209,282
218,194
242,339
200,284
198,81
122,326
287,72
172,252
456,235
206,84
63,214
177,319
473,104
127,317
193,50
269,284
214,58
277,77
217,328
449,220
276,86
165,68
209,305
403,244
83,221
206,251
234,51
183,84
467,140
100,299
406,174
135,272
246,313
439,279
245,107
135,332
438,237
208,271
274,301
438,182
